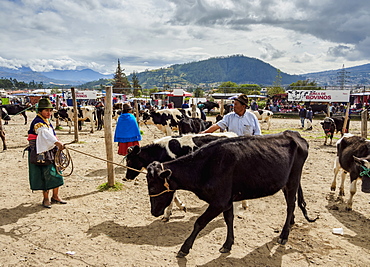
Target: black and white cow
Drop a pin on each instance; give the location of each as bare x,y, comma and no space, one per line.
166,149
193,125
263,115
331,125
164,119
14,109
84,113
235,171
188,112
353,156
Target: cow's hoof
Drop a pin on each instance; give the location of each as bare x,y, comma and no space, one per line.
282,241
224,250
332,188
181,254
348,208
184,209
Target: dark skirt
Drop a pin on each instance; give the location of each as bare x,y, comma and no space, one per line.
44,177
122,147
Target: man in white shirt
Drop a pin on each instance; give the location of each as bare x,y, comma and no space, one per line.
241,121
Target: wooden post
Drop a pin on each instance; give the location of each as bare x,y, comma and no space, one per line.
328,110
364,118
194,111
345,130
136,107
75,114
57,108
108,133
222,108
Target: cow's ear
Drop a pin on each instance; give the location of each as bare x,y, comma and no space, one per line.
134,150
321,123
165,174
360,161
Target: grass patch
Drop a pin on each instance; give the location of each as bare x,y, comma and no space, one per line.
59,128
116,187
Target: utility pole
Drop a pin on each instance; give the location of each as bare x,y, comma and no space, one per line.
342,77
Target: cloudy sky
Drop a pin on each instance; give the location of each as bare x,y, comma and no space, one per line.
296,36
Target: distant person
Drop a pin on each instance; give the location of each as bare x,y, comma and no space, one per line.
309,117
302,115
185,105
201,108
254,105
127,130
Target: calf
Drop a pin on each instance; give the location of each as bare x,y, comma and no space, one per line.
331,125
235,171
166,149
353,155
193,125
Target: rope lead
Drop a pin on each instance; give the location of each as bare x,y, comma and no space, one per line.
64,159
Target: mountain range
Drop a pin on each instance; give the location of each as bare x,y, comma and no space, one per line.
211,72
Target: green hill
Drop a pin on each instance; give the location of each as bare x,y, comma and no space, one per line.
213,71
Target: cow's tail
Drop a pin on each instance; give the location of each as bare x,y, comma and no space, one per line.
302,204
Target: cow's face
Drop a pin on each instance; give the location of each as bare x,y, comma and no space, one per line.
157,179
329,126
364,165
133,161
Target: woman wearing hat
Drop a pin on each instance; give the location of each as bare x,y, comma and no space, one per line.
241,121
127,130
41,136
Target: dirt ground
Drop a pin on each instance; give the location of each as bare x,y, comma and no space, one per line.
115,228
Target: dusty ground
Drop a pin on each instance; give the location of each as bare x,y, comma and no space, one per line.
116,228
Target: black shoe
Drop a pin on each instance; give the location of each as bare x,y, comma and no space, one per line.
58,202
46,206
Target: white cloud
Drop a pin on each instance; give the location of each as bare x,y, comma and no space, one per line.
296,36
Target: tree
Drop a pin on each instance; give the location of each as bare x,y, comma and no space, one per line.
198,92
276,87
120,82
136,85
304,85
228,87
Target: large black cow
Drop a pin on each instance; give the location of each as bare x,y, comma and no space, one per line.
192,125
331,125
353,156
319,108
14,109
166,149
235,171
209,105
